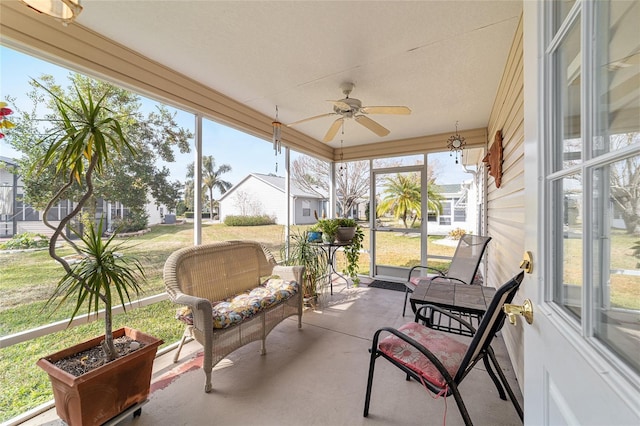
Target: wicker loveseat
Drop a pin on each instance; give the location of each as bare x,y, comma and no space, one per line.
234,293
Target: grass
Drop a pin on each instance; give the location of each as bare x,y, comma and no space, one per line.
624,289
29,277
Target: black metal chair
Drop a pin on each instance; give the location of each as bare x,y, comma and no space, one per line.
440,362
463,268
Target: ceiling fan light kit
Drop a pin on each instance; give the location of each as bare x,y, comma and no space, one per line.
65,11
352,108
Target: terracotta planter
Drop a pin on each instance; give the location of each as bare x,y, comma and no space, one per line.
345,234
101,394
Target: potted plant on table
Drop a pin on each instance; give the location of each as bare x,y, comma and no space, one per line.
344,231
99,274
328,228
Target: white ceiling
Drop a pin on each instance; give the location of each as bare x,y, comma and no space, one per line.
443,59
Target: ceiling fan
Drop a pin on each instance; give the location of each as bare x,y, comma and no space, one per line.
352,108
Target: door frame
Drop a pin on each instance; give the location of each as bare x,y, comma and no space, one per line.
400,273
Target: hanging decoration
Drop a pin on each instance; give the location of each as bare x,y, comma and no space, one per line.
343,167
277,137
493,159
455,144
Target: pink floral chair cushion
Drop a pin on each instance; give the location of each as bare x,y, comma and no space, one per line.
448,350
238,308
416,279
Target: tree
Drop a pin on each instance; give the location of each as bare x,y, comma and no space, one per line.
211,178
403,197
127,179
352,185
625,183
79,150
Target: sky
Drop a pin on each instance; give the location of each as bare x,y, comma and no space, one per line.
244,153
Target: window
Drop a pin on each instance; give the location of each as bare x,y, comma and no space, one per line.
593,172
459,210
306,208
445,220
445,217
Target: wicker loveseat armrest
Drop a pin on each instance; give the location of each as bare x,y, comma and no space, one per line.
289,273
201,309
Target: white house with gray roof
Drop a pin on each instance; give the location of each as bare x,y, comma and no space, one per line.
459,209
259,194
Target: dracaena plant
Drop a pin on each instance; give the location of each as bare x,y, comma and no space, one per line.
82,144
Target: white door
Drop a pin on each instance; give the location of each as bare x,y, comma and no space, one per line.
582,179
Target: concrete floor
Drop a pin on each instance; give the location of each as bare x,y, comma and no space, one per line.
314,376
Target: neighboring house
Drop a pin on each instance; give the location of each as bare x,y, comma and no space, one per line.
16,217
259,194
459,209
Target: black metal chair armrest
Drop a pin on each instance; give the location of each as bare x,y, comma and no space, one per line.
437,271
445,277
421,315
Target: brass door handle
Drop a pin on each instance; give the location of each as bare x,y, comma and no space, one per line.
527,262
526,310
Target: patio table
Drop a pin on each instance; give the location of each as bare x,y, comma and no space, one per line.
330,249
468,300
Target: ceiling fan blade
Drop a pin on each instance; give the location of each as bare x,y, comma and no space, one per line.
310,118
385,110
341,105
372,125
331,133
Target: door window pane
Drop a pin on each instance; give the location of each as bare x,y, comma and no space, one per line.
568,278
567,64
617,76
398,216
616,258
562,8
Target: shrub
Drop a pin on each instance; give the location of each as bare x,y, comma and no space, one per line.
457,233
181,208
249,220
189,215
26,240
133,222
636,252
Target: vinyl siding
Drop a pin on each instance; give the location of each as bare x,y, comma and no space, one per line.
261,198
506,205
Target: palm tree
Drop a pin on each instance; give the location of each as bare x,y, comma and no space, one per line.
80,149
211,178
402,196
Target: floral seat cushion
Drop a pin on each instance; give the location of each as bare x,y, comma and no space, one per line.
415,280
448,350
238,308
